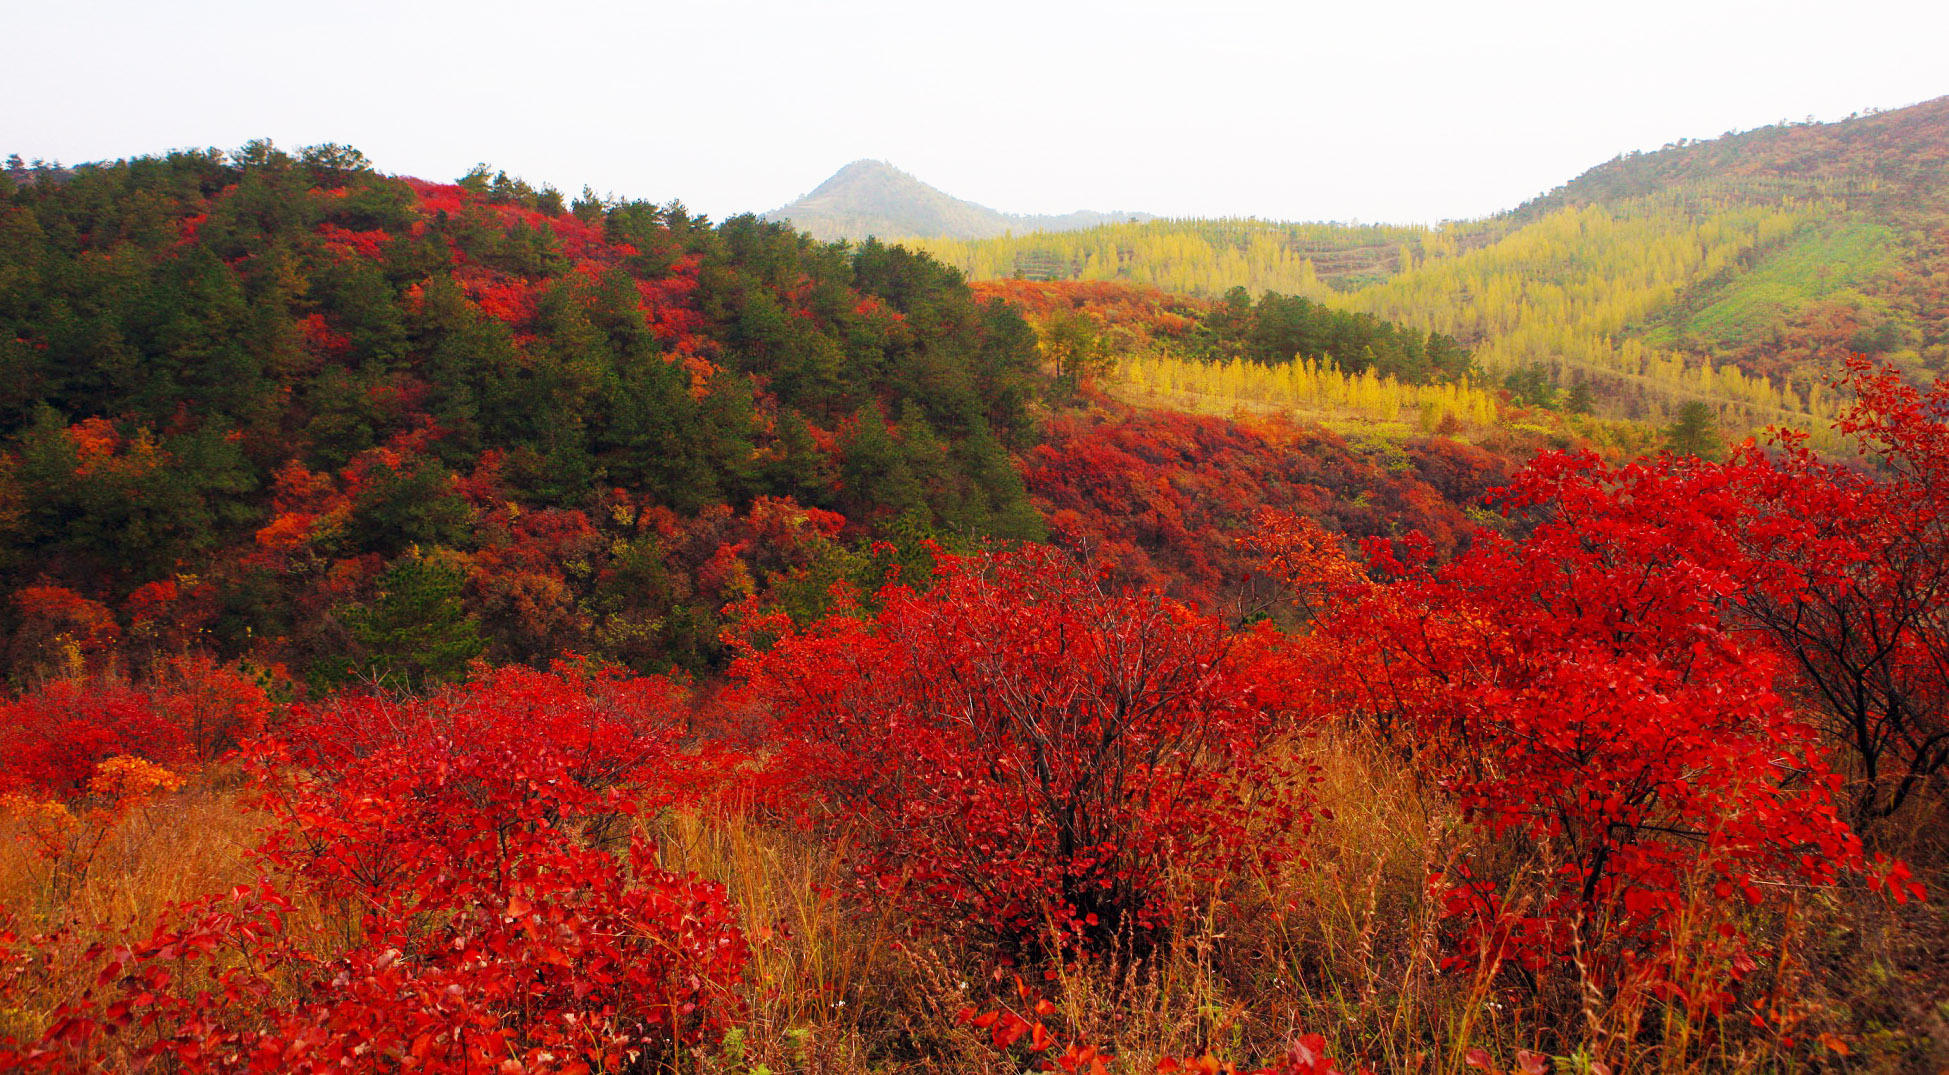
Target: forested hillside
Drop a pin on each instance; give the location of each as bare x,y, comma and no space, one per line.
363,425
1195,257
1869,275
1280,354
1888,160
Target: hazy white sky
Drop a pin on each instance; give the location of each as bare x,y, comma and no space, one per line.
1374,111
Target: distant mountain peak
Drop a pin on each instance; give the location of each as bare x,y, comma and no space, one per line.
877,179
872,197
865,168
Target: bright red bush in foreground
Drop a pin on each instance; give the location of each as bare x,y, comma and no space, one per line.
497,916
1853,583
1618,742
1026,748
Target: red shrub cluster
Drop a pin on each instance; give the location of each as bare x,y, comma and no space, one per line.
345,244
53,738
497,915
1135,315
193,709
1027,748
54,619
1586,700
1855,583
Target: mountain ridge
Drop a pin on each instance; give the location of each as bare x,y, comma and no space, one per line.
1883,159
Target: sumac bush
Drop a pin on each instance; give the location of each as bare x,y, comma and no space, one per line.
191,709
1853,584
1615,740
1029,751
51,739
493,910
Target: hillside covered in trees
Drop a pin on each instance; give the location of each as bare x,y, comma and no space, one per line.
356,426
307,412
1734,272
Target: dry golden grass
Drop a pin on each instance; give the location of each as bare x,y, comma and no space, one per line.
115,878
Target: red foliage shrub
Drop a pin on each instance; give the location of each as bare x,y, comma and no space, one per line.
492,922
347,245
1025,747
167,618
215,707
1136,313
1854,583
52,739
1585,700
192,709
505,299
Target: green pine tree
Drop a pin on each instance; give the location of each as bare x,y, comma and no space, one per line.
415,633
1695,432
